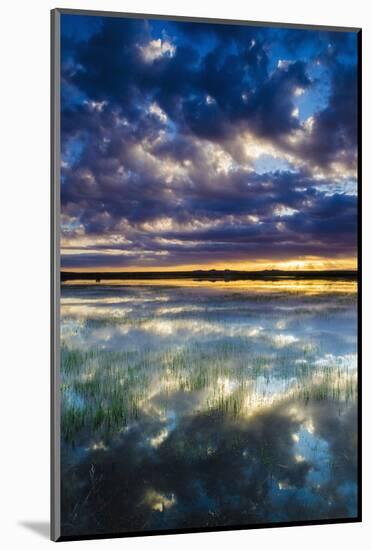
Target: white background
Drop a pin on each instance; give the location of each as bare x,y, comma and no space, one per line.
24,252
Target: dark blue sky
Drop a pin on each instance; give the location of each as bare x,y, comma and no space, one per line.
192,144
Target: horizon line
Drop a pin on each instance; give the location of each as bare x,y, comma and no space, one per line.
276,270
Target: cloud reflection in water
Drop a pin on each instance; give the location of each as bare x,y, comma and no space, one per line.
220,408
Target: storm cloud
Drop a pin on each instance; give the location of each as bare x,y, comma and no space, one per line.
197,144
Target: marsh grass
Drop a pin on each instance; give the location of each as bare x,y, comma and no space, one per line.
103,390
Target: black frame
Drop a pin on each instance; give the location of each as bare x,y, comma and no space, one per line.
55,534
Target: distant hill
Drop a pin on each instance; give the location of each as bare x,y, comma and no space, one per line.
210,274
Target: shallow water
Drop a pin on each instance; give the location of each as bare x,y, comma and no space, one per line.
192,404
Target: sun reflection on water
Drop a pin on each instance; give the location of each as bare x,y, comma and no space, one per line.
300,286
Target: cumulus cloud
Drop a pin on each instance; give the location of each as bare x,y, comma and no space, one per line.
163,124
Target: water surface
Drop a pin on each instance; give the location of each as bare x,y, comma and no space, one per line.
192,404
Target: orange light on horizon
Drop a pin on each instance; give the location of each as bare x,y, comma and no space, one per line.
304,263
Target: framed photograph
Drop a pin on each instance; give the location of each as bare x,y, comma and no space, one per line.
206,191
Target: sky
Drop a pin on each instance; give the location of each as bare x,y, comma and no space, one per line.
191,145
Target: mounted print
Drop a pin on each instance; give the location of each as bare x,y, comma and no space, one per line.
205,209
